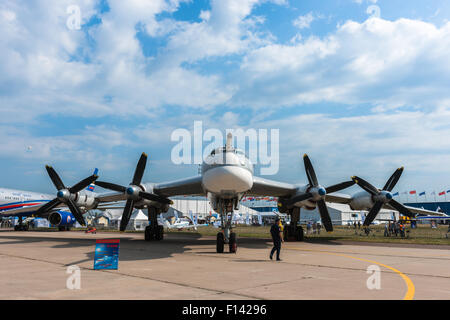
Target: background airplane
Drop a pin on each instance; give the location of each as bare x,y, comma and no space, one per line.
62,213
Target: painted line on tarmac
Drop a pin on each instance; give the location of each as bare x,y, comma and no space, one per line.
409,284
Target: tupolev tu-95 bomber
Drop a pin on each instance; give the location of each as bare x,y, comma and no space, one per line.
226,177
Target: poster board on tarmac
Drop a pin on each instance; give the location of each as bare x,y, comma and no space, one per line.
107,254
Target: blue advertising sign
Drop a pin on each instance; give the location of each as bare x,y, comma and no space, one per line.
107,254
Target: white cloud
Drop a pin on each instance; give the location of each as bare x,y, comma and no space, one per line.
304,22
404,62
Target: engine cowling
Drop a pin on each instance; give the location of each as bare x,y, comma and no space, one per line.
361,201
85,201
61,218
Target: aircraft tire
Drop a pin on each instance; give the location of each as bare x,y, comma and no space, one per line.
220,242
300,234
233,243
148,234
159,234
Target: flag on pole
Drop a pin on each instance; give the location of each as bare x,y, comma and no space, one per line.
413,192
422,193
433,193
395,194
448,191
442,193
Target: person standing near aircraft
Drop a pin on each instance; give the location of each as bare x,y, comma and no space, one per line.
277,236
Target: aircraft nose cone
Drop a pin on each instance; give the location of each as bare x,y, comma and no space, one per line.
389,196
60,194
322,191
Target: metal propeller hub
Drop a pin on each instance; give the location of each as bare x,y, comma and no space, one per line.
318,192
63,194
321,191
133,191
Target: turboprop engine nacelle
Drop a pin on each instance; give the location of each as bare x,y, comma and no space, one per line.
148,187
309,204
85,201
361,201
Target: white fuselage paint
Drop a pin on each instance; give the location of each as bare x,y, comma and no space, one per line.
15,199
227,173
227,179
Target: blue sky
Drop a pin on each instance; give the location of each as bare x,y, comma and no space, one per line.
361,94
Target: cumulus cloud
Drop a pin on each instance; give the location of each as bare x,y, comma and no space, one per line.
396,73
303,22
393,63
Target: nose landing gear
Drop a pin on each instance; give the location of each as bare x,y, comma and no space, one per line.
226,236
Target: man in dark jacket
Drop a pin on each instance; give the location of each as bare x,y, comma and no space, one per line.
277,236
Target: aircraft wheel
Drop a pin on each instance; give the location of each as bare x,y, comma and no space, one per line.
220,242
233,243
159,235
300,234
148,234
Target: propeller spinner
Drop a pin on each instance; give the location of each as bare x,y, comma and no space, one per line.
133,192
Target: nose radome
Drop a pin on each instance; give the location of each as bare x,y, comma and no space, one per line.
228,178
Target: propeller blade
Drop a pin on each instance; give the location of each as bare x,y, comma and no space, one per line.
76,212
299,198
48,206
325,215
373,213
340,186
154,197
126,214
55,178
83,184
401,208
365,185
312,178
139,172
111,186
390,184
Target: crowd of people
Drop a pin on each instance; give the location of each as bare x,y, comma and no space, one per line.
313,227
395,229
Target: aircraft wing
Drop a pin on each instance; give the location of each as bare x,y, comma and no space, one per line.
338,198
184,187
110,197
419,211
266,187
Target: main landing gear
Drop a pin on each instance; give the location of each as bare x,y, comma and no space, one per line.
226,236
221,241
294,232
21,226
153,231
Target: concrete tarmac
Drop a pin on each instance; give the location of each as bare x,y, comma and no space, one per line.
33,265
